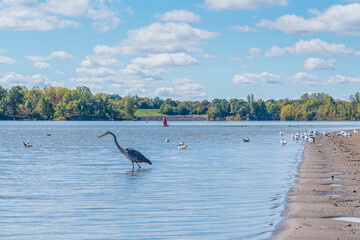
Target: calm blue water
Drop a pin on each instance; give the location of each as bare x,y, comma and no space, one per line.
71,185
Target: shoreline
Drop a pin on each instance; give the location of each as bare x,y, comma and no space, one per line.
328,186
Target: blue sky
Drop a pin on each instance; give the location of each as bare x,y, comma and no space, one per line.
186,50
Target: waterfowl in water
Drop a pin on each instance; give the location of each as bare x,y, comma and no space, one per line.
130,154
182,146
27,144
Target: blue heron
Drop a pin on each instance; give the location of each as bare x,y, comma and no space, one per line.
130,154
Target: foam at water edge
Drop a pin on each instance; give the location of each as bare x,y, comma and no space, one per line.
348,219
334,172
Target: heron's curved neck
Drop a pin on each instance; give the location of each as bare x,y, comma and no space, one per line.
117,144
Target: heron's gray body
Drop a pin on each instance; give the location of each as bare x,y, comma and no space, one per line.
135,156
130,154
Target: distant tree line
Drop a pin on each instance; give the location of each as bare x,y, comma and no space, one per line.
58,103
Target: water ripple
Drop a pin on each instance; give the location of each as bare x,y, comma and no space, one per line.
74,186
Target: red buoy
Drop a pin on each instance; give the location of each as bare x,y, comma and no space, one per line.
165,122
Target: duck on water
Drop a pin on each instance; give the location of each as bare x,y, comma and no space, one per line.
130,154
27,144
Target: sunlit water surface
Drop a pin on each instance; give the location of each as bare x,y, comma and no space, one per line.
72,185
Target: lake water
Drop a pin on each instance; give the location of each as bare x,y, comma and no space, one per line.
72,185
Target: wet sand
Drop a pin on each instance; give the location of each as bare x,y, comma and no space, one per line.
328,187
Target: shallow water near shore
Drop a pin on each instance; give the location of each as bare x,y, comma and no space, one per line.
71,185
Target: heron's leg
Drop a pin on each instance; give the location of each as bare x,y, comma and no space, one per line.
133,164
138,165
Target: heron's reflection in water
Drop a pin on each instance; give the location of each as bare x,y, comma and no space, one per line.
136,172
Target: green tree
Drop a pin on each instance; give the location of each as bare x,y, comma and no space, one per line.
130,107
182,110
45,108
28,107
3,93
167,109
60,111
13,99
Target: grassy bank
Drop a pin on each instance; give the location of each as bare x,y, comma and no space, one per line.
149,113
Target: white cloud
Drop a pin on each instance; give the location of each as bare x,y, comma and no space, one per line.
91,61
245,28
29,15
313,80
105,19
134,89
129,11
242,4
340,19
158,38
6,60
165,44
319,64
253,79
253,53
206,55
36,58
276,51
306,79
94,87
128,78
178,16
100,72
60,72
41,65
165,60
270,78
135,79
312,47
67,8
58,54
179,81
51,14
340,79
138,73
13,78
192,91
244,79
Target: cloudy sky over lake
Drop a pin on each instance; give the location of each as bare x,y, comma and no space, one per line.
188,49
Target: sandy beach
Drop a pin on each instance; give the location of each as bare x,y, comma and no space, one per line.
328,187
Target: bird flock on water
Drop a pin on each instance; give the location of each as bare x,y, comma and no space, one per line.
137,157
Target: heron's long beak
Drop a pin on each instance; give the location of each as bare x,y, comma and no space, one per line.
101,135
